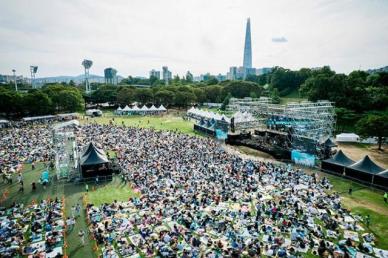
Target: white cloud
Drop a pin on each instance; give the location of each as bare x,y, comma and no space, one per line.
197,35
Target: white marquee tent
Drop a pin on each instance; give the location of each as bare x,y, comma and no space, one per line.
347,137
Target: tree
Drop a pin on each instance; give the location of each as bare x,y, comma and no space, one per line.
275,96
37,103
10,101
125,95
199,95
70,101
176,80
211,80
184,98
345,117
189,77
242,89
165,97
153,80
213,93
144,96
105,93
226,101
374,125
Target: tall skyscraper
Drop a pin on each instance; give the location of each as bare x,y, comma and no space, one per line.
167,75
248,47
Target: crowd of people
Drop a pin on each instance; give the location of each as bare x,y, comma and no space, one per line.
197,200
33,231
192,199
26,144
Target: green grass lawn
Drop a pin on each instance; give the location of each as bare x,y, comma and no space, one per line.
292,97
108,192
165,122
364,201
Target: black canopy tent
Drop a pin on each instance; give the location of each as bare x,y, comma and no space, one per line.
329,143
364,170
337,163
89,148
94,162
381,179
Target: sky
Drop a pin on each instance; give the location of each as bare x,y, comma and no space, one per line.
198,35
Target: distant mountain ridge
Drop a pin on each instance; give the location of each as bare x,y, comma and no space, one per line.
378,70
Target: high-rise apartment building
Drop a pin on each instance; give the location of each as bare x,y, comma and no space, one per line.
155,73
167,75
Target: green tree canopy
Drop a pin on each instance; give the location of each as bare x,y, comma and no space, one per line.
165,97
374,125
144,96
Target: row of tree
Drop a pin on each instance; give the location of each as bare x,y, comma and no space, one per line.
48,100
177,95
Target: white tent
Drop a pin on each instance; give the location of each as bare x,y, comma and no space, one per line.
135,108
347,137
144,108
126,108
119,109
162,108
227,119
244,118
152,108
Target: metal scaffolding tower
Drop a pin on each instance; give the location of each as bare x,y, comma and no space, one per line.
87,64
304,122
33,70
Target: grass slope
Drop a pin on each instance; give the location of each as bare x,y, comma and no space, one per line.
166,122
364,201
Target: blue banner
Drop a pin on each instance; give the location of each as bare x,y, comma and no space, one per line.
302,158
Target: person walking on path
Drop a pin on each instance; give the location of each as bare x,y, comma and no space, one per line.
78,210
385,197
81,235
73,211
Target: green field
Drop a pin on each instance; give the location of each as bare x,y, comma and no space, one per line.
165,122
363,200
292,97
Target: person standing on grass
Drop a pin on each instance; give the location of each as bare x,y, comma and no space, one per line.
350,190
86,187
81,235
385,197
367,220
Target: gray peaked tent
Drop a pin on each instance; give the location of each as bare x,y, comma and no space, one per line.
337,163
364,170
381,179
94,162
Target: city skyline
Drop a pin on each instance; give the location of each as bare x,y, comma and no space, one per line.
346,35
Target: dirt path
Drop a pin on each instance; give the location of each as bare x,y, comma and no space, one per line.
352,203
358,151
